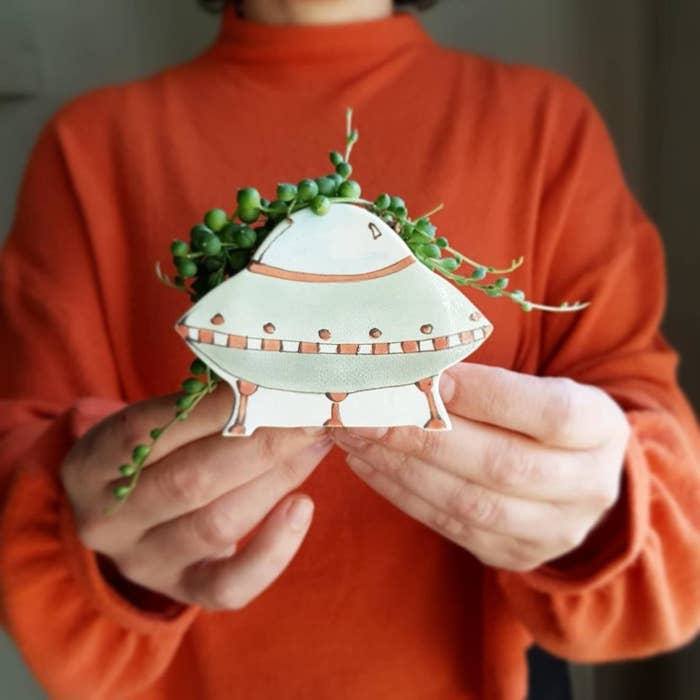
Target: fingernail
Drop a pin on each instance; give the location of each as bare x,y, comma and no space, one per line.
370,433
299,512
447,387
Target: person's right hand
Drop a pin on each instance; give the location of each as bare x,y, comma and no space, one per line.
199,494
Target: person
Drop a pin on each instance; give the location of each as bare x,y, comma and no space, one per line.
564,506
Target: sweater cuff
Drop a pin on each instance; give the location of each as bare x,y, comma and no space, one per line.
41,550
85,568
612,546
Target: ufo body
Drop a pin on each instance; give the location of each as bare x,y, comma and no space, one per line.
334,322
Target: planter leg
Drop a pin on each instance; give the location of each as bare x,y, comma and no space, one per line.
245,389
435,422
334,421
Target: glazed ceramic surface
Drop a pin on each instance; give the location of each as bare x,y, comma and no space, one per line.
335,317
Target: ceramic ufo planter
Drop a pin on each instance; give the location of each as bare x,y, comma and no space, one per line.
324,308
334,323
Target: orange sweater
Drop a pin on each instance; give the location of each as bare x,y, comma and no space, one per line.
375,605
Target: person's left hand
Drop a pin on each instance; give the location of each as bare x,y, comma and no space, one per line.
529,468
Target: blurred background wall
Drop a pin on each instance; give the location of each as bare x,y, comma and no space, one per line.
638,59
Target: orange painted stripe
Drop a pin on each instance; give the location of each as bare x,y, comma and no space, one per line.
308,347
409,346
380,348
348,349
466,336
237,341
281,273
182,330
206,336
271,344
440,343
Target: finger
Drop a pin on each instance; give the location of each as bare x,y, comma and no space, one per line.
200,472
210,530
490,548
469,502
554,410
491,457
111,442
232,583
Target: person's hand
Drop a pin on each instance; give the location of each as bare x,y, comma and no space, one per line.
198,496
530,467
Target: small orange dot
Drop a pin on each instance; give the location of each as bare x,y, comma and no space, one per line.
375,333
217,320
426,329
324,334
475,316
269,328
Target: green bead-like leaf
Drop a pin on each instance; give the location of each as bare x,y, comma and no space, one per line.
184,402
192,385
140,454
350,189
198,367
430,250
320,205
343,169
216,219
307,189
248,197
121,492
186,267
179,249
383,202
127,470
286,192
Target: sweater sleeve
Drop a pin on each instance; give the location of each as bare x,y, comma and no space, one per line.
631,589
78,635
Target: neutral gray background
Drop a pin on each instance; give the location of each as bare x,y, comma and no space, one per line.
638,59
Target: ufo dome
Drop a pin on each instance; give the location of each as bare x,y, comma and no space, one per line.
348,240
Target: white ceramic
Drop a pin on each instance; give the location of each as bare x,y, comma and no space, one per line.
335,323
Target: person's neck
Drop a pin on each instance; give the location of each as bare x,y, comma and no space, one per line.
315,11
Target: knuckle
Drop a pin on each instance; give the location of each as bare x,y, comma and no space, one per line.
606,494
432,446
473,505
133,568
517,556
559,410
224,596
91,532
293,471
401,464
182,483
410,473
212,527
451,526
508,465
267,447
131,428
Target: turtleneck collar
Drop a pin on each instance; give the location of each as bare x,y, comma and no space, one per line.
257,42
